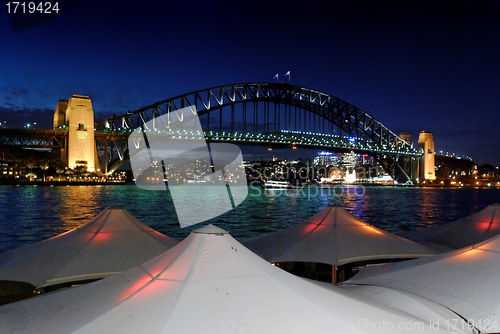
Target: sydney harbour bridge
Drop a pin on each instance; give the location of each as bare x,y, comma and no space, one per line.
266,114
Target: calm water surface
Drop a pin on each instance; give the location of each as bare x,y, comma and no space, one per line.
32,213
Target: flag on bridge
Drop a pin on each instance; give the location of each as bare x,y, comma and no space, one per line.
289,76
276,77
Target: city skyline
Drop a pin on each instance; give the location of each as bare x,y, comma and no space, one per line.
415,66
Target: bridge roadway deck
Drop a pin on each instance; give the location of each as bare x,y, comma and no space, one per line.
40,138
33,138
47,138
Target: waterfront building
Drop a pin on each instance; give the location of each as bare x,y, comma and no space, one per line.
327,159
349,160
12,170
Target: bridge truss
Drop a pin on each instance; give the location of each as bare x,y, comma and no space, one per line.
266,108
33,138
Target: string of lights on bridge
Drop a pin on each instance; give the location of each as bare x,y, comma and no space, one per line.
311,139
288,137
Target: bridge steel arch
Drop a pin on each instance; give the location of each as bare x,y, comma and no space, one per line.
336,112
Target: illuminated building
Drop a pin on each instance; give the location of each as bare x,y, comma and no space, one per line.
326,159
426,148
11,169
349,160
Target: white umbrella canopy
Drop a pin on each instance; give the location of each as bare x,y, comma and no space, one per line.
404,302
111,242
465,281
334,236
208,283
461,233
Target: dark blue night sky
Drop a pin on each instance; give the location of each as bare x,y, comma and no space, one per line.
414,65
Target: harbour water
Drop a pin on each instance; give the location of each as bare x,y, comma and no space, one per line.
33,213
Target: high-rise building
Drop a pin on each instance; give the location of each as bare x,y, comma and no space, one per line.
427,168
326,159
349,160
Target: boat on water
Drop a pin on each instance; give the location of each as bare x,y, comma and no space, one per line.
276,184
406,184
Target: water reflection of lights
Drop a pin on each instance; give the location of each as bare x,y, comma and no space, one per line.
78,205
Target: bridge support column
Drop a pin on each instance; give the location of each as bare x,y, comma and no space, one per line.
427,164
395,167
414,169
60,124
106,156
96,158
80,149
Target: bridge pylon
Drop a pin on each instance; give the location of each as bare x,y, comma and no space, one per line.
427,170
76,116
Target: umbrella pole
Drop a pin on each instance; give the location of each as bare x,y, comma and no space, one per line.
334,274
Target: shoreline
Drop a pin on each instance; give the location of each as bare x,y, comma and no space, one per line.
92,183
58,183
